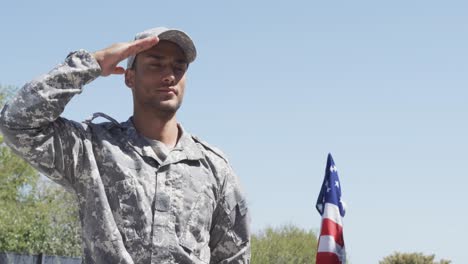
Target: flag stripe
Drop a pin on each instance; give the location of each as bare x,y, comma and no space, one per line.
328,258
328,244
330,228
332,212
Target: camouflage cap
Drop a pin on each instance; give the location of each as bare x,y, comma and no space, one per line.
174,35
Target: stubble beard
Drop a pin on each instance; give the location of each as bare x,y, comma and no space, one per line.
164,109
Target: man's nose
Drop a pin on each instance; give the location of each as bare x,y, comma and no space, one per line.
168,76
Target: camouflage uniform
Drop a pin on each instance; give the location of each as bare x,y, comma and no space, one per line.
134,208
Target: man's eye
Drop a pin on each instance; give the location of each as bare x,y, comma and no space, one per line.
179,69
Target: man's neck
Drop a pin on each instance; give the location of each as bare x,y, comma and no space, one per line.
163,129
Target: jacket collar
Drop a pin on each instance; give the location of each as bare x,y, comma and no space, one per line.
185,149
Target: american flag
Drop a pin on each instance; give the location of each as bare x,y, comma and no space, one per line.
331,248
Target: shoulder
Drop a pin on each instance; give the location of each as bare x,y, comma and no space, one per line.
110,126
216,161
210,150
231,193
220,163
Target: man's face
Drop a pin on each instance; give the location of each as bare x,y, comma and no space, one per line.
157,78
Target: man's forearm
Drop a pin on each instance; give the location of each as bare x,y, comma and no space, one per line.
43,100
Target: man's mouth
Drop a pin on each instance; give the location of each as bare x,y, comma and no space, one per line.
167,90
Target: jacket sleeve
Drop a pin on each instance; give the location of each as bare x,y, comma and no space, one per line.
230,233
31,124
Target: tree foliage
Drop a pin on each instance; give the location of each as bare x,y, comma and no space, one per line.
36,216
412,258
287,244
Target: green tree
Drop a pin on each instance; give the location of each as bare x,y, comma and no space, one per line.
287,244
412,258
36,215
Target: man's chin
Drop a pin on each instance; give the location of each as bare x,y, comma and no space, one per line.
169,108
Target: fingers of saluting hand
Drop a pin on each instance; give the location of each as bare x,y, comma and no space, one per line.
110,57
139,45
118,70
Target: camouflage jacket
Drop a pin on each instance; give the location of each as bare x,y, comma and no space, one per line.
133,207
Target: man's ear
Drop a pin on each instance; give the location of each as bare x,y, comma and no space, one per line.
130,78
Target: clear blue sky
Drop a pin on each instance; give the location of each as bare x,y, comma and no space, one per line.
382,85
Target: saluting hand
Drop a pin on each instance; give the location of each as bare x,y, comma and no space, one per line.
108,58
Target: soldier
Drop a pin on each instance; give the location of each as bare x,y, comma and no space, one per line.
148,191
